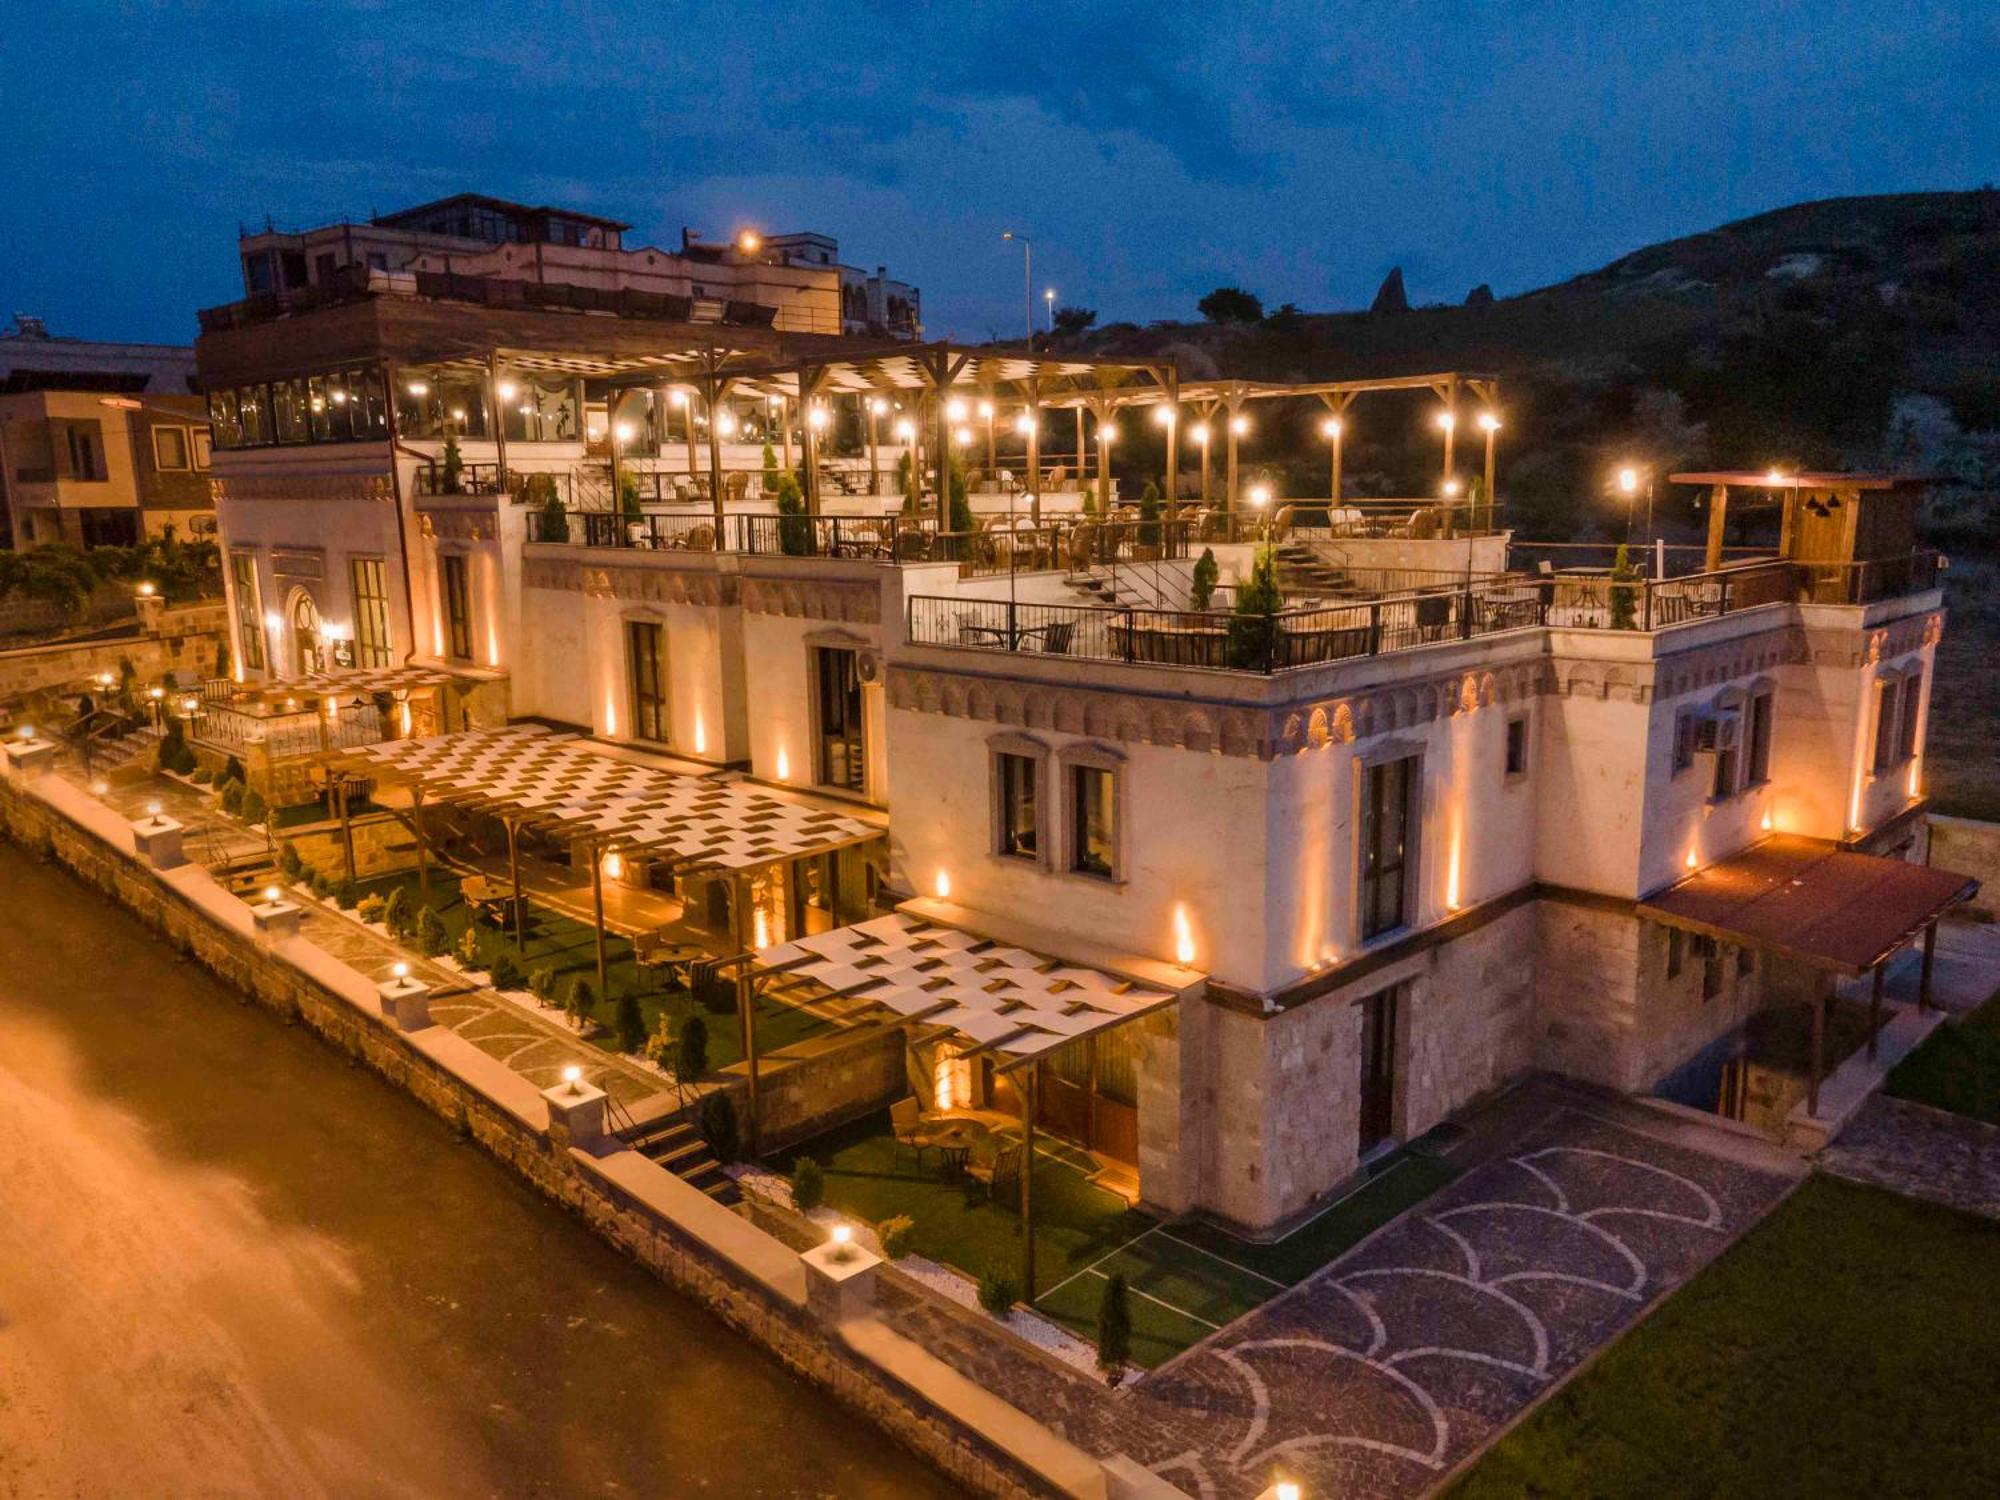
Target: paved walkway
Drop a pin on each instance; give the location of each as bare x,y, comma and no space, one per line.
1922,1152
1964,973
1379,1373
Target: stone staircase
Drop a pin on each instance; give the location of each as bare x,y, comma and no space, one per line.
679,1147
1142,585
1302,572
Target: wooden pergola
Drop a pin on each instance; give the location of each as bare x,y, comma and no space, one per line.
1829,518
1002,1000
1818,904
529,777
937,375
1224,401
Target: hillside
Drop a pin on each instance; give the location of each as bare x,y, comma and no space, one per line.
1854,332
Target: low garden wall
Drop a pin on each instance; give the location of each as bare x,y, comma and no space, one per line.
705,1251
180,640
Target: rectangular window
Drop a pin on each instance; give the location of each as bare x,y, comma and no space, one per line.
837,686
1885,726
1727,759
1710,953
1684,740
645,651
457,605
253,407
1093,825
370,584
1388,805
170,447
203,447
86,451
1761,709
1676,951
1906,733
1746,961
249,611
1020,816
1517,747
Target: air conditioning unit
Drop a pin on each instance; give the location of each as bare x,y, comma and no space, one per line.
868,666
1719,732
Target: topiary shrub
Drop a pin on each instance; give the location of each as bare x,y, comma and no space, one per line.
318,884
808,1184
542,984
467,948
1253,629
505,972
895,1235
254,808
432,935
691,1050
371,908
289,863
718,1126
997,1293
630,1023
1149,515
231,800
399,914
1114,1330
580,1001
232,770
1207,572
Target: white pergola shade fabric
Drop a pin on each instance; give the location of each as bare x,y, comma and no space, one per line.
377,680
556,779
1002,998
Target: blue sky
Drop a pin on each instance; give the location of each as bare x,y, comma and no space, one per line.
1153,150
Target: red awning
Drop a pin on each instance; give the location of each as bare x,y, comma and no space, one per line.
1812,901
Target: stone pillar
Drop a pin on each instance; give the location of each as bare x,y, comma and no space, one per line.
276,918
576,1113
157,840
840,1281
406,1002
28,756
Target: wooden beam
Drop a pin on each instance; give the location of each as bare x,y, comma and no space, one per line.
1924,975
1028,1186
1718,513
746,1010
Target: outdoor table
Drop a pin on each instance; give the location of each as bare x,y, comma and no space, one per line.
955,1143
487,897
652,950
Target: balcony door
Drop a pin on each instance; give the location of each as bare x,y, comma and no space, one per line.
837,691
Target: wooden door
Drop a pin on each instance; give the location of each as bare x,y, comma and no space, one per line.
1378,1068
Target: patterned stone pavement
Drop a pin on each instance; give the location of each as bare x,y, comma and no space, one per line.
1378,1374
1922,1152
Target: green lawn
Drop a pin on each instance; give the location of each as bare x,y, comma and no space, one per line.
570,947
1184,1281
1849,1345
1957,1068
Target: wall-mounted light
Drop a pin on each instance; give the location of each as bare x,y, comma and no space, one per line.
614,865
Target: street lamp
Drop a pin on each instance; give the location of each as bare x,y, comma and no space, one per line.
1260,501
1049,298
749,241
1027,279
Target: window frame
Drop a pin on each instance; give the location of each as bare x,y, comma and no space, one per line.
1515,759
249,614
1686,735
178,434
1001,749
1097,760
1909,724
1759,732
817,652
373,646
1371,875
649,703
454,574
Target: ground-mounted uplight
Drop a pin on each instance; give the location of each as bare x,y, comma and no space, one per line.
1693,860
614,865
942,885
784,765
1765,822
1183,936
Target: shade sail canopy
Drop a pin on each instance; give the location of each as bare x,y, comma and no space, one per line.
1001,998
354,680
560,782
1823,905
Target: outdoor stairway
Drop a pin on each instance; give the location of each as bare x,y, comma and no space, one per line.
1145,585
1301,570
678,1146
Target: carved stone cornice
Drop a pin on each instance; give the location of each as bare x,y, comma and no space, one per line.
1252,731
302,487
641,585
843,601
457,525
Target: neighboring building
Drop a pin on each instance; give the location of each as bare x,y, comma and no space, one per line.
1382,855
100,443
464,244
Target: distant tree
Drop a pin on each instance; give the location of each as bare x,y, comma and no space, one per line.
1479,296
1072,321
1287,319
1230,304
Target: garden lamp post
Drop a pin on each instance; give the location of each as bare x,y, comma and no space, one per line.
1027,280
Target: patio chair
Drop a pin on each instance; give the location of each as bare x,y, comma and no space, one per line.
906,1119
999,1174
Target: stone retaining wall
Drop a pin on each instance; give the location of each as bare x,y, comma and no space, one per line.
898,1388
1972,848
182,641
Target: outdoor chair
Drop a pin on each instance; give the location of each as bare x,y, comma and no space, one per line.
1000,1174
906,1119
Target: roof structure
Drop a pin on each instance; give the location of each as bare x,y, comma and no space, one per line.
1001,998
919,367
1771,479
1825,906
355,680
559,782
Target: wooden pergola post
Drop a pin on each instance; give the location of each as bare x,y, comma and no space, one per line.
499,417
597,912
1034,476
871,420
346,822
514,872
1875,1008
1102,411
1924,975
746,1007
1028,1184
417,827
1173,388
1718,515
1232,404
